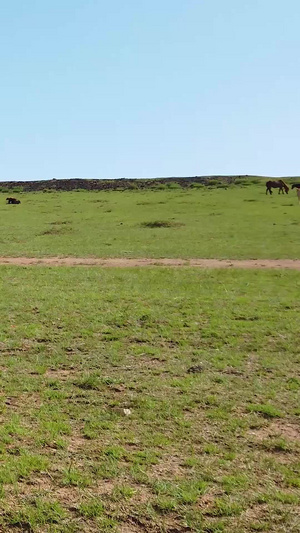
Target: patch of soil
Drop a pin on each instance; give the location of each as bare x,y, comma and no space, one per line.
59,373
104,487
278,428
76,444
207,501
31,399
168,468
130,528
122,262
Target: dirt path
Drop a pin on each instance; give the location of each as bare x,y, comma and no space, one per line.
144,262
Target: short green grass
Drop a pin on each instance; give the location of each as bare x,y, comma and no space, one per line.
210,222
214,450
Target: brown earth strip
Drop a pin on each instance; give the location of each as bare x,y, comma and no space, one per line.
120,262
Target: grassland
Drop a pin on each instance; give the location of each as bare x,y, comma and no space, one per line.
150,400
238,222
211,449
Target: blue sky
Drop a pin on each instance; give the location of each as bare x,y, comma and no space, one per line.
142,88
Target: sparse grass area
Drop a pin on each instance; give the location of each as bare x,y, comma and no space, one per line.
104,429
237,221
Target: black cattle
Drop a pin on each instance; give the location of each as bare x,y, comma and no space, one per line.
11,200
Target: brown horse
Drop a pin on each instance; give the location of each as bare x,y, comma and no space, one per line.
277,185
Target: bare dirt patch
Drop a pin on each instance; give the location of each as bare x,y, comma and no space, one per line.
122,262
168,468
59,373
278,429
125,528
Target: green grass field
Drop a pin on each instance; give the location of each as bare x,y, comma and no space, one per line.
238,222
150,400
208,451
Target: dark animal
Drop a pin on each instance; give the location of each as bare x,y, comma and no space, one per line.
296,185
11,200
277,185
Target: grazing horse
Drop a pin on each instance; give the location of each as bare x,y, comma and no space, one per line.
277,185
11,200
296,185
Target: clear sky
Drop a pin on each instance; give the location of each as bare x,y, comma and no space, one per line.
141,88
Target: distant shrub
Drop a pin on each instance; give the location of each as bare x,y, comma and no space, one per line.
213,182
132,186
196,185
173,185
243,182
159,186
